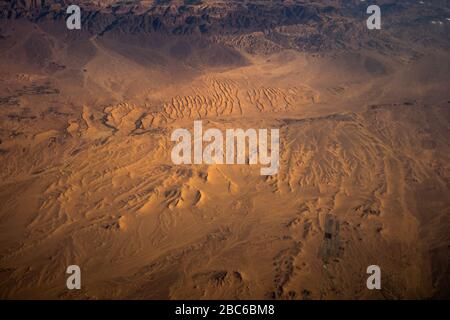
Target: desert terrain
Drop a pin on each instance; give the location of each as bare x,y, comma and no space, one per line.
87,179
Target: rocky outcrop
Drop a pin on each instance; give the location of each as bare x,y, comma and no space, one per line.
254,26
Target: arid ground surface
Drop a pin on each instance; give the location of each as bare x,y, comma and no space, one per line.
86,176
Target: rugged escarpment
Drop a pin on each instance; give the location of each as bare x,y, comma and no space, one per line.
257,26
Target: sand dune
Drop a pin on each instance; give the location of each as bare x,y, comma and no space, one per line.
87,178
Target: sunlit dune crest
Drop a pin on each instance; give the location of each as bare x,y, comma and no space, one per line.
87,178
